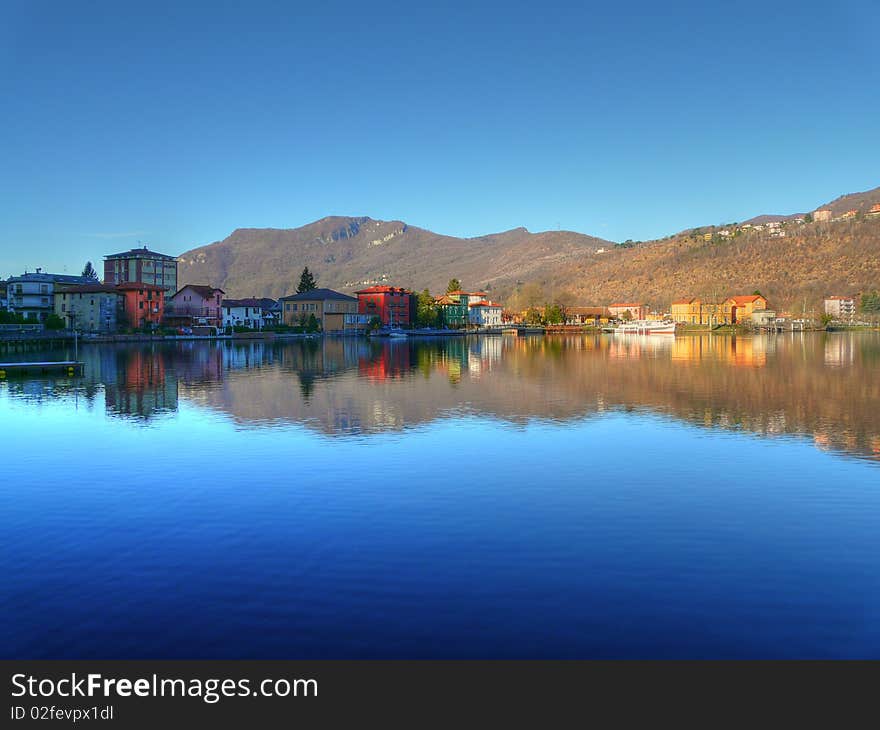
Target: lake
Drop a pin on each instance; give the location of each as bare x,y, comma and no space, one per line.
481,497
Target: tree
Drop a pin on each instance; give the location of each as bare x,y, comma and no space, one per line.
426,310
553,314
89,271
533,316
453,285
826,319
54,322
312,324
306,281
757,293
808,218
627,316
870,302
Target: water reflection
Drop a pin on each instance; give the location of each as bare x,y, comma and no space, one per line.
823,386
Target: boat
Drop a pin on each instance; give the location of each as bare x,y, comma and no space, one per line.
397,333
643,327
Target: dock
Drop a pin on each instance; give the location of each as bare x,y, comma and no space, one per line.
63,367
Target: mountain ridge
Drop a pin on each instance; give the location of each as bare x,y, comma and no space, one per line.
349,252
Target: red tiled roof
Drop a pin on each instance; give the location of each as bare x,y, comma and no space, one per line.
383,290
685,301
132,285
484,303
627,305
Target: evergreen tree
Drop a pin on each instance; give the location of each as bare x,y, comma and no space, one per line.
89,271
306,281
453,285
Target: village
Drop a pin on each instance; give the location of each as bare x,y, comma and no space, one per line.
141,294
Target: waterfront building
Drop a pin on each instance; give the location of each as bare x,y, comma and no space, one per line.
143,305
90,307
587,315
742,306
33,295
485,314
254,313
840,307
196,304
392,305
335,311
143,266
636,309
453,311
686,310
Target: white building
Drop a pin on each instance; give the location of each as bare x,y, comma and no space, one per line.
252,313
840,307
33,295
485,314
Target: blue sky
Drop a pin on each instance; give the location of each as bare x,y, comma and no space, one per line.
175,125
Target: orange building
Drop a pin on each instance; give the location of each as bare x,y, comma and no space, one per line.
143,305
743,306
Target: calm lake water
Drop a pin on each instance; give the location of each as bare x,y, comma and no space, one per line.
493,497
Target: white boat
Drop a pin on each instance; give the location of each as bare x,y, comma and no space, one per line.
397,333
643,327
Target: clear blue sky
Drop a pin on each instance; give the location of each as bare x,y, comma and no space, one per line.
126,121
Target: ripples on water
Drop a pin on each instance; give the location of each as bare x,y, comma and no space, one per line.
480,497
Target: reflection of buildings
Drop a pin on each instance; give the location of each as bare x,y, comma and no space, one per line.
392,360
137,384
839,351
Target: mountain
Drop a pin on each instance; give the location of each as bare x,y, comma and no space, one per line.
522,268
349,253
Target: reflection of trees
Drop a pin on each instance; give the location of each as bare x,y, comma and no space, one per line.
824,386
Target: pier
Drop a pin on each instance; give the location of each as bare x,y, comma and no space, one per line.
63,367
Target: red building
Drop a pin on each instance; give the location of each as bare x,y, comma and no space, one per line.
143,305
392,305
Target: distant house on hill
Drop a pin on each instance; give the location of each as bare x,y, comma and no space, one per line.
875,210
823,215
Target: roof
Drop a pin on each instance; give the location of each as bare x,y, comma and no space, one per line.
837,297
95,288
261,303
628,304
383,290
484,303
447,301
318,295
56,278
745,298
685,301
203,290
136,285
140,253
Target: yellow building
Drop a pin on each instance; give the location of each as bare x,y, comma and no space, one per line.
686,311
334,311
